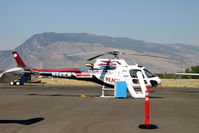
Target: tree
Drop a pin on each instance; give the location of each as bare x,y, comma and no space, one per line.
187,70
194,69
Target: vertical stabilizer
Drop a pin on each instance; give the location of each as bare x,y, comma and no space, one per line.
18,59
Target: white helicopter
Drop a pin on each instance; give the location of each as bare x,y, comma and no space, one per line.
107,71
104,71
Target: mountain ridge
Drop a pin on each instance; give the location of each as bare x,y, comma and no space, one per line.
39,42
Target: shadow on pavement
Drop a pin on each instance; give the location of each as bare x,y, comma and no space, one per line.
23,122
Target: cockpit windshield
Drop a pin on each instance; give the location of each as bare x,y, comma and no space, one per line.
133,73
149,74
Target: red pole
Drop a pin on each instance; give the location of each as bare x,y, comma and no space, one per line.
147,106
147,124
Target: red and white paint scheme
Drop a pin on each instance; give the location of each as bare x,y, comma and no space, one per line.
104,71
63,72
111,70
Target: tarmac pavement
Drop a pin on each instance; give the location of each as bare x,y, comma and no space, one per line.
60,109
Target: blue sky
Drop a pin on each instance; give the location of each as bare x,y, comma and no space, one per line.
161,21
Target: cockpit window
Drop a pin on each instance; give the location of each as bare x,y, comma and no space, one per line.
133,73
149,74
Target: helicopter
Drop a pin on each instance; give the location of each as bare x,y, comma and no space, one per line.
104,71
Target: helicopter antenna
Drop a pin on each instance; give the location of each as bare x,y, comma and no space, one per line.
135,62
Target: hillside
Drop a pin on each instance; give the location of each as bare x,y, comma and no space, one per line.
50,50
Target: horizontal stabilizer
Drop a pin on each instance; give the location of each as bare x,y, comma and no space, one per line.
11,74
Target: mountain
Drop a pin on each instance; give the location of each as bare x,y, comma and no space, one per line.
51,50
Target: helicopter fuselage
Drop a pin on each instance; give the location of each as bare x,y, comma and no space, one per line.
107,71
104,71
126,73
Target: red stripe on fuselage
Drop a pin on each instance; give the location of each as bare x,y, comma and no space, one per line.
83,74
107,64
58,70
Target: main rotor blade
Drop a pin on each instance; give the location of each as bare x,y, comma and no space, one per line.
85,53
95,57
155,56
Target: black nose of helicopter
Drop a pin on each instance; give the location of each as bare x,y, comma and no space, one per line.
154,83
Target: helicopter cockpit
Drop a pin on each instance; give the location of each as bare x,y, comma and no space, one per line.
133,73
149,74
149,78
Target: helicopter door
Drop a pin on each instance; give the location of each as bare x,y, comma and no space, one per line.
133,73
